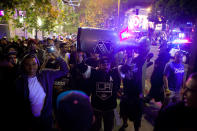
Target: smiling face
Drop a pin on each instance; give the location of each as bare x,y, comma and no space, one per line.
190,93
30,66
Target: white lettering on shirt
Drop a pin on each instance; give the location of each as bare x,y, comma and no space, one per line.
178,70
104,90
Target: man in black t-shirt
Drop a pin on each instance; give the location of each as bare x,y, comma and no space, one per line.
105,84
131,102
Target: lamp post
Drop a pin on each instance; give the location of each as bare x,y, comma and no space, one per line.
118,13
118,7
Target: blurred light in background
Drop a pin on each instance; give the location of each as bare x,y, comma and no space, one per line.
21,20
39,21
125,34
181,35
180,41
138,22
1,13
149,9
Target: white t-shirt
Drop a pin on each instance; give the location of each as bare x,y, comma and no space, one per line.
36,96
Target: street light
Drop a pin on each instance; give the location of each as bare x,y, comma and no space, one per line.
149,9
39,22
72,2
21,20
118,7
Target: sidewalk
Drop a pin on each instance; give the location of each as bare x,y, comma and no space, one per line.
150,112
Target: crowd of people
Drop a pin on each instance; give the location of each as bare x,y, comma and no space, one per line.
50,85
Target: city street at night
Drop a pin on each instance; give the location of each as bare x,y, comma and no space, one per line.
98,65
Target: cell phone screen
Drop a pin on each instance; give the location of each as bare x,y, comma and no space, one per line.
50,49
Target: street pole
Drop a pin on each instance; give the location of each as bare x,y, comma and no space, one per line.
25,32
118,13
118,7
36,36
42,34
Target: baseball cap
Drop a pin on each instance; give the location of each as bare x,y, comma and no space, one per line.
105,59
74,111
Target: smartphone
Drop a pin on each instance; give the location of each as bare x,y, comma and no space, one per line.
50,49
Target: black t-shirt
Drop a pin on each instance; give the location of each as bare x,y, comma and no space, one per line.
139,61
78,82
131,87
177,118
104,89
62,84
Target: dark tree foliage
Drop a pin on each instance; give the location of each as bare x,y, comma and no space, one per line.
174,11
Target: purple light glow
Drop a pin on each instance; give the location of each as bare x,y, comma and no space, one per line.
1,13
125,34
181,35
181,41
133,22
21,13
138,22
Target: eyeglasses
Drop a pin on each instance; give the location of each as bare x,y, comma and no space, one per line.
189,89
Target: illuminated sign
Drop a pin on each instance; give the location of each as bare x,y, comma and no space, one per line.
180,41
137,22
181,35
125,34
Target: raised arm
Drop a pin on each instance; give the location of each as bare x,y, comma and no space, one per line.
63,66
